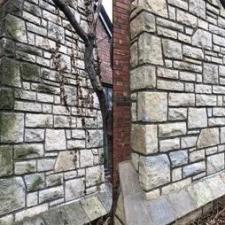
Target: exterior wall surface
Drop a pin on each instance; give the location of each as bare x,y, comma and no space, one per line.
51,138
178,92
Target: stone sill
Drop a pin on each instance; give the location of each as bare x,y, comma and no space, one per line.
80,212
166,209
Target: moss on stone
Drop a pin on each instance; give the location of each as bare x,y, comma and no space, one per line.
30,72
22,153
7,121
36,183
6,98
10,72
6,161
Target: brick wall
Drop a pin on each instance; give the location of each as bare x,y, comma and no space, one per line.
121,95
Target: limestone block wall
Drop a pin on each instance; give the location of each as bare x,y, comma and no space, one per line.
51,138
178,92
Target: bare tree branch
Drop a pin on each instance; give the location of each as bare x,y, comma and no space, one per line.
66,10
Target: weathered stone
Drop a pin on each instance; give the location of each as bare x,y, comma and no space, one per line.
154,171
144,139
34,182
158,7
55,140
188,142
172,129
197,118
32,135
181,99
150,50
39,120
46,164
51,194
179,158
192,52
94,138
148,108
143,22
215,163
206,100
197,155
94,175
12,195
54,180
143,77
55,31
167,73
202,38
66,160
12,127
198,7
208,137
186,18
27,151
25,167
222,135
194,169
177,114
86,158
6,98
210,73
172,49
6,160
169,144
15,28
76,144
74,189
30,72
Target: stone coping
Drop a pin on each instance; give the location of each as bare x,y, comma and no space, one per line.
166,208
80,212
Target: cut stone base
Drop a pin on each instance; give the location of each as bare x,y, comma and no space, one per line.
178,207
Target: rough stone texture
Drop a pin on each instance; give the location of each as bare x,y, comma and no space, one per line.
51,138
177,87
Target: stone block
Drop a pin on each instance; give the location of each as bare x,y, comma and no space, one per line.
55,140
154,171
6,98
144,139
172,129
39,120
194,169
181,99
45,164
206,100
30,72
222,135
172,49
51,194
12,195
28,151
56,32
198,7
215,163
197,118
210,73
188,142
169,144
179,158
25,167
143,77
94,138
197,155
34,182
6,160
74,189
208,137
186,18
34,135
149,109
86,158
150,50
54,180
177,114
94,175
202,38
12,127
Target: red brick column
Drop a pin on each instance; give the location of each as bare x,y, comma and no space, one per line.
121,95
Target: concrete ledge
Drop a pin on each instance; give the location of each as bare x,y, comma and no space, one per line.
167,208
77,213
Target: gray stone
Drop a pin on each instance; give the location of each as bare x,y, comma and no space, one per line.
25,167
12,127
143,22
215,163
186,18
148,108
198,7
12,195
169,144
86,158
202,38
210,73
55,31
181,99
192,52
27,151
177,114
34,182
150,50
197,118
206,100
94,175
74,189
172,49
54,180
32,135
66,160
222,135
51,194
45,164
194,169
179,158
39,120
197,155
188,142
208,137
94,138
6,160
55,140
172,129
143,77
154,171
144,139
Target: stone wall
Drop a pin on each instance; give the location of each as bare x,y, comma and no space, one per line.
178,92
51,142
